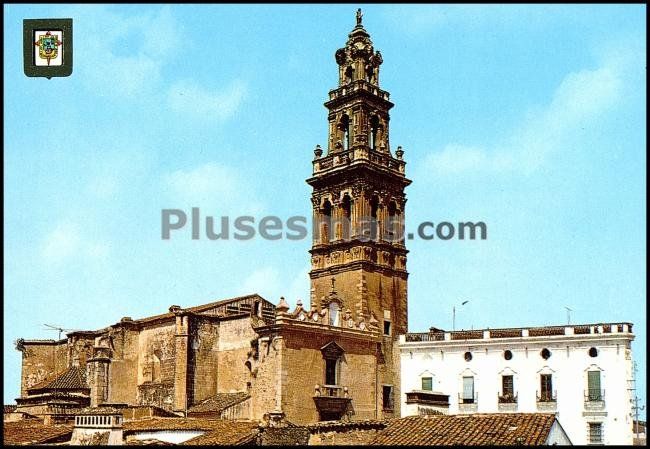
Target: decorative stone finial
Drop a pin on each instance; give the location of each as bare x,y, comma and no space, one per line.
174,308
359,17
318,151
399,153
282,305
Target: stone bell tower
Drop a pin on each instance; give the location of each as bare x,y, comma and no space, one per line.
358,196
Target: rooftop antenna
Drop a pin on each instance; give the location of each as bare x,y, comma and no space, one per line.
636,407
568,314
453,315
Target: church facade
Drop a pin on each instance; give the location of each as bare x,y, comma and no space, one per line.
334,359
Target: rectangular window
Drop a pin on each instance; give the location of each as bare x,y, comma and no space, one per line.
546,387
387,398
386,327
330,372
427,383
593,385
507,387
595,432
468,390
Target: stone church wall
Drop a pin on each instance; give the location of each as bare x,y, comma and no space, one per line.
41,362
235,336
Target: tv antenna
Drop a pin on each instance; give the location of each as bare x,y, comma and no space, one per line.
568,314
58,328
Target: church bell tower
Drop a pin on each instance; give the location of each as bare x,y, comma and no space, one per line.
358,196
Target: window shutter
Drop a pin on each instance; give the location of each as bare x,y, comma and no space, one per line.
593,384
468,387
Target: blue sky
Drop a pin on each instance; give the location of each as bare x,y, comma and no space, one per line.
529,118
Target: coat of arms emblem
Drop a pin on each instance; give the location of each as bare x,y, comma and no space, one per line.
48,46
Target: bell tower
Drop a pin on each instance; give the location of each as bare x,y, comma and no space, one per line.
358,196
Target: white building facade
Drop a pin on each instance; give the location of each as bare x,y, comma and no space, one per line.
583,373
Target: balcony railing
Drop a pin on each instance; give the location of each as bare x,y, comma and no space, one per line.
331,391
508,398
547,396
465,400
594,395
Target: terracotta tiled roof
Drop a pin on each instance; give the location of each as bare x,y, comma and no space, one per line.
74,378
471,430
228,433
10,408
289,435
148,442
33,431
339,425
159,423
219,402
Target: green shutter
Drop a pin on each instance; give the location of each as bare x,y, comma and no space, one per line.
427,383
593,384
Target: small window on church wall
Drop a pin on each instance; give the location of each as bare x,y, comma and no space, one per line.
386,327
387,397
593,352
256,308
334,314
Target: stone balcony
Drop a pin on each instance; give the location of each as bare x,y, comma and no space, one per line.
332,402
358,154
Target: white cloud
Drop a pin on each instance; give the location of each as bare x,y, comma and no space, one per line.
122,55
67,241
187,97
578,101
212,185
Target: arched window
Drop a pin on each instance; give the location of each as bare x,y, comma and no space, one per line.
374,208
326,224
346,208
349,74
392,219
374,127
345,128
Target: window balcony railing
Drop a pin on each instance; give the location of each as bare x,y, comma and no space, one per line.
594,395
508,398
331,391
467,400
547,396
